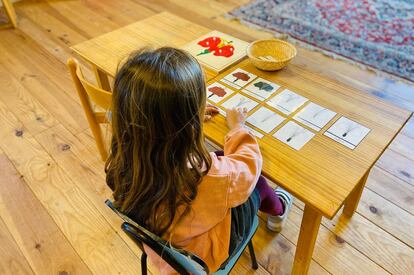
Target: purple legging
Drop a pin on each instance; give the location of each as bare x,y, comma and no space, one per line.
269,201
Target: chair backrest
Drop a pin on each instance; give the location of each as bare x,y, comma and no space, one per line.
182,261
89,93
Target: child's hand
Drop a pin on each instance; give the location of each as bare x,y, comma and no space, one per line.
236,117
211,111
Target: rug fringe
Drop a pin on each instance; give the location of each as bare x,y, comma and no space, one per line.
305,45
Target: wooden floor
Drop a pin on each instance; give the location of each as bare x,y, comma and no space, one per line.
52,186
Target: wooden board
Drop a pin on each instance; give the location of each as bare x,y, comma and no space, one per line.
324,172
107,55
11,259
392,188
384,249
51,26
30,112
398,165
85,228
39,239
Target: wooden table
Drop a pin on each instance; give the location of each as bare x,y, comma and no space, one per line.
324,174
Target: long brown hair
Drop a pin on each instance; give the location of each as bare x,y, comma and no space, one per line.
158,155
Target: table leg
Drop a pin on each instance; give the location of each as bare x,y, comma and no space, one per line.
102,79
8,7
307,237
351,203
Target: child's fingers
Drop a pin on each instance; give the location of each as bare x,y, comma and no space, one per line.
211,105
211,110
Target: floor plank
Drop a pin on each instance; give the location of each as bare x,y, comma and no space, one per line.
332,251
93,239
391,218
46,139
42,243
12,260
382,248
29,111
392,188
397,165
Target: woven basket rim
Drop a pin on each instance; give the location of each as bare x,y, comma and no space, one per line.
248,50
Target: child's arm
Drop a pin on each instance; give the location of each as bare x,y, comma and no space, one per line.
243,160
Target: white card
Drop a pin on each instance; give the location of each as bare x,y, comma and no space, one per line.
287,101
217,92
239,101
265,119
254,132
261,88
238,78
315,116
294,135
347,132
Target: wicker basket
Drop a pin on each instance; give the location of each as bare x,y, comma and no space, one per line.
271,55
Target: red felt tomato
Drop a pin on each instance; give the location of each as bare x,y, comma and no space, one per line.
210,43
225,51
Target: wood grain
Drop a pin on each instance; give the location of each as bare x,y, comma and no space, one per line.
392,188
29,111
398,165
384,249
106,55
333,252
10,12
11,259
389,217
311,173
87,231
58,103
39,238
35,55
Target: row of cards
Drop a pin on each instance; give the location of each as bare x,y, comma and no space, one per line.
314,116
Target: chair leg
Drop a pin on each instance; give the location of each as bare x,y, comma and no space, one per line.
144,263
253,256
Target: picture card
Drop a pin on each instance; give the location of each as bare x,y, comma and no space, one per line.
294,135
265,119
315,116
347,132
238,78
241,101
217,92
287,101
261,88
217,50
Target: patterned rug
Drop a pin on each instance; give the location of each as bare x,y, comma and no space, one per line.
376,33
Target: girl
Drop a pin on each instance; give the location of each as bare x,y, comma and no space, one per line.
161,173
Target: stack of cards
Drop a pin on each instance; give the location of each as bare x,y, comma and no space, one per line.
238,78
238,101
261,89
314,116
265,119
294,135
217,92
347,132
287,101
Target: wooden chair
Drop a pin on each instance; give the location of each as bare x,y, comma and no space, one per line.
10,12
89,93
182,261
